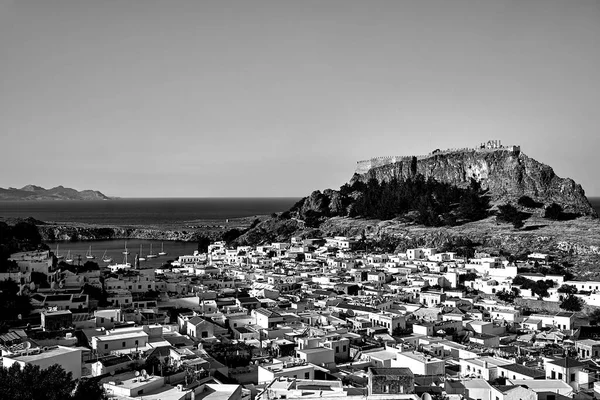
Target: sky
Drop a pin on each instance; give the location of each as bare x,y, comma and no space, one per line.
255,98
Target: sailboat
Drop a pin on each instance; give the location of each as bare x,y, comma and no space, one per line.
126,251
105,258
89,254
162,250
69,258
141,258
58,256
151,254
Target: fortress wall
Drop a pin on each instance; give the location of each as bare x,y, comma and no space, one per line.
362,167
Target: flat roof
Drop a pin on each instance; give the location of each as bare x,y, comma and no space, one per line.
315,350
543,385
121,336
44,354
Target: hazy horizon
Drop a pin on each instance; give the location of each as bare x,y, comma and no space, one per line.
150,99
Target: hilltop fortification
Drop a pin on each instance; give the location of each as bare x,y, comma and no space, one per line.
505,171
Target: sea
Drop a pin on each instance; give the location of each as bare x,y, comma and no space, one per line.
141,211
145,211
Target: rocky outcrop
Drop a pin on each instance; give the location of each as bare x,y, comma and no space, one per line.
32,192
507,175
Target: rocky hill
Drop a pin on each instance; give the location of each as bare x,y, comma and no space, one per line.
506,173
32,192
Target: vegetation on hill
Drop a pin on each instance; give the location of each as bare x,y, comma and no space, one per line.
32,383
424,201
510,214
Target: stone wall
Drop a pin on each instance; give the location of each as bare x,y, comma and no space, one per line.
362,167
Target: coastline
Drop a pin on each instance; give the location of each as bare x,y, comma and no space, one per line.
189,231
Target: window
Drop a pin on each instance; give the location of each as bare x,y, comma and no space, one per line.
106,346
344,348
136,342
572,377
307,375
386,388
123,344
101,320
559,375
553,375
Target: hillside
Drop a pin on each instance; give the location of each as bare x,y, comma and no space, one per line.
32,193
506,173
454,184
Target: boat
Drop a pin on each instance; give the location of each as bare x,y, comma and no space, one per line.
162,250
151,254
126,251
58,256
140,258
105,258
89,254
69,258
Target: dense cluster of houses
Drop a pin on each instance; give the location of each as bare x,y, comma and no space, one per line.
310,318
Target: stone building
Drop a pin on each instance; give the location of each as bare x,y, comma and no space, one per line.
391,380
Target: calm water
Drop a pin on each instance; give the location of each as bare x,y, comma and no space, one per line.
114,249
144,211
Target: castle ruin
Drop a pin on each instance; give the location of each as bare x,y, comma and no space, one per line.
362,167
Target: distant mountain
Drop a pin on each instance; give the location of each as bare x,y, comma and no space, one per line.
33,192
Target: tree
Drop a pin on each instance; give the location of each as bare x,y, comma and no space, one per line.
507,296
469,276
509,213
40,279
567,289
572,303
526,201
11,303
553,211
89,389
203,243
33,383
594,316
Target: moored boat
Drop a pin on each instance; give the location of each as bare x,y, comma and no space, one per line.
89,254
162,251
58,256
140,257
151,254
105,258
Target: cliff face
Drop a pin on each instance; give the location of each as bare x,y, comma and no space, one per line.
507,175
